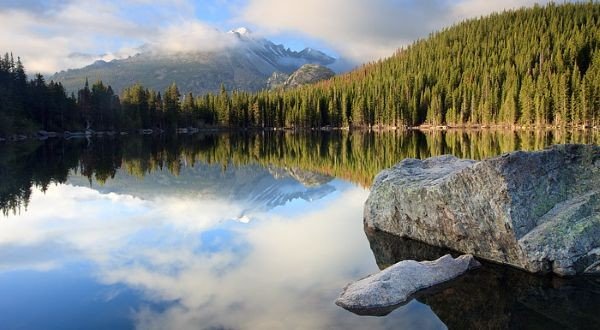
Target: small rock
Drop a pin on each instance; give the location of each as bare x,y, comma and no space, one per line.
396,284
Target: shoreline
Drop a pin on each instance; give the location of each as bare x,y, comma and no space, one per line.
69,135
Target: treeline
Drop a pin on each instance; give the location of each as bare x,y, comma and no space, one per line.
27,106
30,105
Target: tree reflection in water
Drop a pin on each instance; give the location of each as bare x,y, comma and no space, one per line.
354,156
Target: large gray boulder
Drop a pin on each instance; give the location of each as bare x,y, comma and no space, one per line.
539,211
396,284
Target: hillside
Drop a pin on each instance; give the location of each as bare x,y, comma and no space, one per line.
536,66
245,64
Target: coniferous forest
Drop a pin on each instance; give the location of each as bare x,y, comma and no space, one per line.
530,67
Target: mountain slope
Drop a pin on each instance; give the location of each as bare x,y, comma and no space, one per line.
245,64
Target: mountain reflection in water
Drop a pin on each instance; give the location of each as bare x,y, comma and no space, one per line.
245,231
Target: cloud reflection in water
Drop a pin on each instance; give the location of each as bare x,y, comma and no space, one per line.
281,270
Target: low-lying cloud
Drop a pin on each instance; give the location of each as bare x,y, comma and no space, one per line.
190,36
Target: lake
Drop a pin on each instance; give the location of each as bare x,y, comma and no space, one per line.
253,230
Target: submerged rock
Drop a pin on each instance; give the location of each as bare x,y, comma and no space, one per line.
396,284
539,211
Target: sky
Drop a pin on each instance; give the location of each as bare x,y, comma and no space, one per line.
53,35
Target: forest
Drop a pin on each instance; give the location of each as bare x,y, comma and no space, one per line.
533,67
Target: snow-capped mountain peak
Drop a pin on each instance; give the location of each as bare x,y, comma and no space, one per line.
241,31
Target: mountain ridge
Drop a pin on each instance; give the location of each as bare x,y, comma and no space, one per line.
244,63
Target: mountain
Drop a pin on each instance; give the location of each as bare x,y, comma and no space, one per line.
306,75
244,63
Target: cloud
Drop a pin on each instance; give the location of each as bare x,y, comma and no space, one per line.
367,30
37,6
45,39
191,35
61,34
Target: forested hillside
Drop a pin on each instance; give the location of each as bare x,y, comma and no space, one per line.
537,66
530,67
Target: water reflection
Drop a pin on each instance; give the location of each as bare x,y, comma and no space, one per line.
244,231
495,297
353,156
184,260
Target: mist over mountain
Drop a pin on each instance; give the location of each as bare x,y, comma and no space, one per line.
239,60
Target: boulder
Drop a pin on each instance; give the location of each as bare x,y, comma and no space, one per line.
538,211
396,284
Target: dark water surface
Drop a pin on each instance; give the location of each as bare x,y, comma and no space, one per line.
241,231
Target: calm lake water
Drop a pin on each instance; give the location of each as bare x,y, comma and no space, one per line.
241,231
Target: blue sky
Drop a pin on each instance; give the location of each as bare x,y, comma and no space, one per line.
52,35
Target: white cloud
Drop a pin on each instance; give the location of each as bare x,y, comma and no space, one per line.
45,40
72,34
368,30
